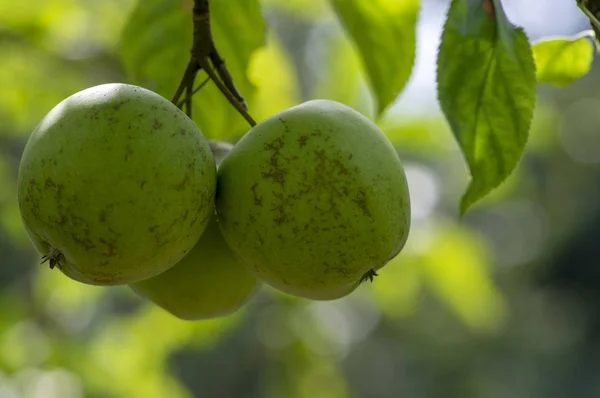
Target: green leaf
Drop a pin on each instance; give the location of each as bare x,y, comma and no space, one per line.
384,34
562,60
341,79
486,89
155,45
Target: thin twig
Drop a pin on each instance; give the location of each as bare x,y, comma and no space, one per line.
224,74
180,103
238,105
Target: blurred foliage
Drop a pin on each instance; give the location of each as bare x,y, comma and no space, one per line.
499,304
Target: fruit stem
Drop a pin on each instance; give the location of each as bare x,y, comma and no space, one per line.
204,55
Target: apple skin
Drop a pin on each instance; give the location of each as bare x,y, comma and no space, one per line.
314,200
209,281
115,185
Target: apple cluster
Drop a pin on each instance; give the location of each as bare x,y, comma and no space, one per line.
117,186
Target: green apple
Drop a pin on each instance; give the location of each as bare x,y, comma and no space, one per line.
314,200
116,185
209,281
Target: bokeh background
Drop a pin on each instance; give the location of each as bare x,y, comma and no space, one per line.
502,303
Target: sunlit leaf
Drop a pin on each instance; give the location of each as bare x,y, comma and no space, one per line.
275,79
384,34
340,78
486,89
562,60
155,46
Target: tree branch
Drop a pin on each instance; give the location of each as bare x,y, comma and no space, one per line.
204,55
591,9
